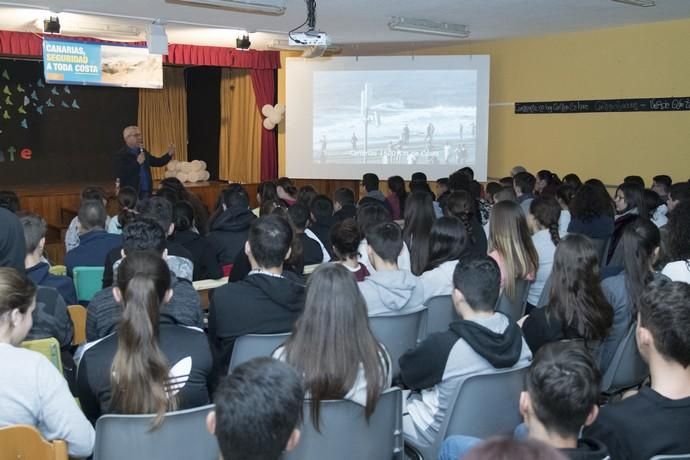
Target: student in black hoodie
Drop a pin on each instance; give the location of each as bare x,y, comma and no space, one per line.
269,300
203,254
229,227
322,220
311,247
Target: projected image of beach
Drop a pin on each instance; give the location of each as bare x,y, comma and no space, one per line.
395,117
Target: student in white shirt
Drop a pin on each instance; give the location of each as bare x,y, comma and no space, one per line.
447,242
678,229
542,221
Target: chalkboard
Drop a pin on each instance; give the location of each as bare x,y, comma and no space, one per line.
659,104
52,134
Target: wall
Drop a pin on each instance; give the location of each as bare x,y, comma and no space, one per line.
626,62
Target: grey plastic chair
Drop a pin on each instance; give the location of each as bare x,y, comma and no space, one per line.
346,434
441,313
182,435
514,309
484,405
399,333
627,369
254,346
670,457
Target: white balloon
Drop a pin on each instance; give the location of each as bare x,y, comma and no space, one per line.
280,108
268,124
203,165
183,177
206,175
172,165
266,110
275,118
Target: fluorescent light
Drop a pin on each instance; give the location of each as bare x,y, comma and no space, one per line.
424,26
276,7
644,3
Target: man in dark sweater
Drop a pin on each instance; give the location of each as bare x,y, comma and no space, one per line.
656,421
269,300
184,308
322,220
370,187
228,230
344,204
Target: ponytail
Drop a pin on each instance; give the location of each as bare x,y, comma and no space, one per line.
555,235
547,212
139,373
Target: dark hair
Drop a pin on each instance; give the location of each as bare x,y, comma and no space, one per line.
267,207
175,184
92,215
267,191
16,291
564,384
418,177
9,200
633,197
447,241
299,215
506,181
479,281
306,195
370,215
270,238
590,202
459,181
550,178
514,449
565,193
332,341
678,227
386,241
492,188
143,234
370,181
468,171
286,184
158,209
183,216
461,205
295,262
344,196
139,372
635,180
257,408
127,199
680,191
505,194
524,182
442,181
345,239
573,180
576,299
396,184
419,217
475,189
640,239
34,229
665,313
663,180
169,194
235,197
93,193
546,211
652,200
321,207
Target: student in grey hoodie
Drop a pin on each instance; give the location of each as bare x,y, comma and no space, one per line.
389,290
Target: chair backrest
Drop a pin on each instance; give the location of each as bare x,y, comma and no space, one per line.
183,434
346,434
309,269
254,346
87,281
514,309
399,333
441,313
58,270
602,245
50,348
670,457
77,314
627,369
26,442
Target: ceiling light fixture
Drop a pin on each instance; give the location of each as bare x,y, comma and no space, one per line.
275,7
644,3
425,26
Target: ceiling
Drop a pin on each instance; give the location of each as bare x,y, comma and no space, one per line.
348,22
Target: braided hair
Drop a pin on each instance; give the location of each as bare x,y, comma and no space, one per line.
460,204
546,211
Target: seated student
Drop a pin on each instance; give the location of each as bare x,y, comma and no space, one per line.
73,230
369,187
661,184
656,207
150,364
563,385
37,270
321,220
591,212
447,243
480,343
576,308
514,449
311,247
678,193
397,196
629,204
268,301
229,228
286,191
368,216
203,254
305,195
179,259
542,221
460,204
183,308
265,192
442,192
345,238
419,217
678,243
655,421
389,290
127,200
258,411
32,391
94,242
9,200
546,183
564,196
344,204
524,183
337,362
201,215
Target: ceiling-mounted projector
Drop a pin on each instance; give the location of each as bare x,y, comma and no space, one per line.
309,39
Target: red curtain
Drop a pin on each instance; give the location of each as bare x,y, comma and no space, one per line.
263,81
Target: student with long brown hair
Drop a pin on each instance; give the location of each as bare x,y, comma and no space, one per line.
577,307
460,204
332,346
510,245
419,217
542,220
150,365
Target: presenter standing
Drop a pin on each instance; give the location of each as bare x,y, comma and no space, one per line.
133,162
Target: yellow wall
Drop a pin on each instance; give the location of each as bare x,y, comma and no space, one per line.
626,62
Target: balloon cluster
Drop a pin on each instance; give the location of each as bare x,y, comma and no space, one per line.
193,171
274,115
